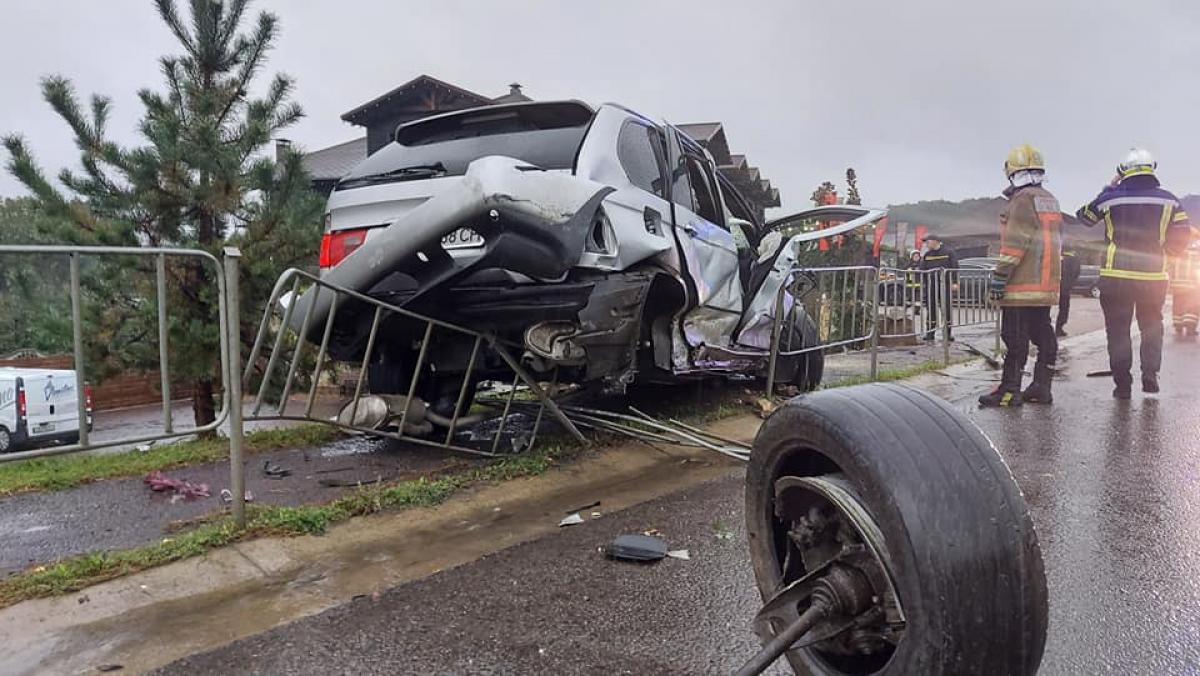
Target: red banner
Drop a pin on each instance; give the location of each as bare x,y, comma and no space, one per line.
919,236
880,230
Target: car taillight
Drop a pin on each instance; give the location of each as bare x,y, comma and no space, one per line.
337,245
21,403
87,397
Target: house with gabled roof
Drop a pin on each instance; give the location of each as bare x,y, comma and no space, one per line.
425,95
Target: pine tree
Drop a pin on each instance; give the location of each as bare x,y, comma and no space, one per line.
852,196
199,178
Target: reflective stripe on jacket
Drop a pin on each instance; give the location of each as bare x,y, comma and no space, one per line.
1143,226
1030,249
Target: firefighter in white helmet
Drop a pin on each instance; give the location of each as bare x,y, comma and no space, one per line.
1144,226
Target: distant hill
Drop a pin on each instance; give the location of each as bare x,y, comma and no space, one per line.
980,217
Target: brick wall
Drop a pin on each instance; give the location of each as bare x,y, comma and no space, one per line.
127,389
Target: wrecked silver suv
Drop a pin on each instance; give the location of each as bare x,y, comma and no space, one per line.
604,244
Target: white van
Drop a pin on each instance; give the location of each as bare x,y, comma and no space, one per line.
40,407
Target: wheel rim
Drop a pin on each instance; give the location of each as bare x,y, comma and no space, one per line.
4,440
820,526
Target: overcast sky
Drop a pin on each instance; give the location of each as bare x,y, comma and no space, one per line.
922,97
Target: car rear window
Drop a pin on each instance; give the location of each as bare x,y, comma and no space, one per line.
546,135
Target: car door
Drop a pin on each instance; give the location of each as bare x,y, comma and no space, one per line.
710,255
777,257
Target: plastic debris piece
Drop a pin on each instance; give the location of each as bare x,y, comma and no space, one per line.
639,548
227,495
570,520
274,470
681,554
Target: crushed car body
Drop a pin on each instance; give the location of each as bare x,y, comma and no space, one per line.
602,243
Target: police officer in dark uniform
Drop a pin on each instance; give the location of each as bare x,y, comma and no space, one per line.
1144,225
1070,275
937,287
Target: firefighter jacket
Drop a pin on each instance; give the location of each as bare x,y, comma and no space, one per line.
1030,249
1144,225
1185,270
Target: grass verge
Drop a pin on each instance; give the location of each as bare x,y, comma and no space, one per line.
72,574
66,471
889,375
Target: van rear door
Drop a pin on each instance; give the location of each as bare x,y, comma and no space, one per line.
51,403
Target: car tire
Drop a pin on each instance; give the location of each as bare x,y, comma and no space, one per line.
6,444
964,556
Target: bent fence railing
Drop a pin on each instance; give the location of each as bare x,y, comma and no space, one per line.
402,415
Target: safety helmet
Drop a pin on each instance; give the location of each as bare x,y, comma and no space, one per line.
1023,157
1137,161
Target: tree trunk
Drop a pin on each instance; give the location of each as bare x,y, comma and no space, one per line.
203,408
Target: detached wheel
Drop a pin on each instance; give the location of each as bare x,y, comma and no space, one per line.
883,503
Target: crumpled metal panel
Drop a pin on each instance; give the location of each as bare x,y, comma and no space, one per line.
711,258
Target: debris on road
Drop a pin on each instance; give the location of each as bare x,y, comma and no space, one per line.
764,407
227,496
989,358
104,668
161,483
637,548
273,470
1099,374
681,554
570,520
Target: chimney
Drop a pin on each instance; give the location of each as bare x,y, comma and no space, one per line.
514,89
283,146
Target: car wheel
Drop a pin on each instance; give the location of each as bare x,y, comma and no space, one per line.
891,487
5,440
807,369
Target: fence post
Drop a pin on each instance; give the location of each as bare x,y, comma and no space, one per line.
875,326
233,383
77,340
947,314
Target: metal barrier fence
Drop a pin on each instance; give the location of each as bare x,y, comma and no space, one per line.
398,416
857,307
816,309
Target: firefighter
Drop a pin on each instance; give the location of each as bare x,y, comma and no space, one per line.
1185,290
1026,280
938,286
1144,225
1070,275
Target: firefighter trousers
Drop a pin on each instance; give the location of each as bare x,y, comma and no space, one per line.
1019,326
1122,300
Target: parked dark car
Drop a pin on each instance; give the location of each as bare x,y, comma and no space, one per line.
1088,283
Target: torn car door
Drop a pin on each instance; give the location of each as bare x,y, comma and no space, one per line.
778,257
710,256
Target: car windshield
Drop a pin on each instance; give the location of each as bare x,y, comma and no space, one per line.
545,135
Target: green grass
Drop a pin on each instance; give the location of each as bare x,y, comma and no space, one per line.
66,471
889,375
75,573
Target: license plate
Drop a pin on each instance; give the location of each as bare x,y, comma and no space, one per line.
44,427
463,238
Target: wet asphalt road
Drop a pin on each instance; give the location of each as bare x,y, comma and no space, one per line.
1114,488
122,513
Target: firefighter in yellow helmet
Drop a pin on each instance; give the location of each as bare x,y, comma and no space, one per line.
1026,280
1144,226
